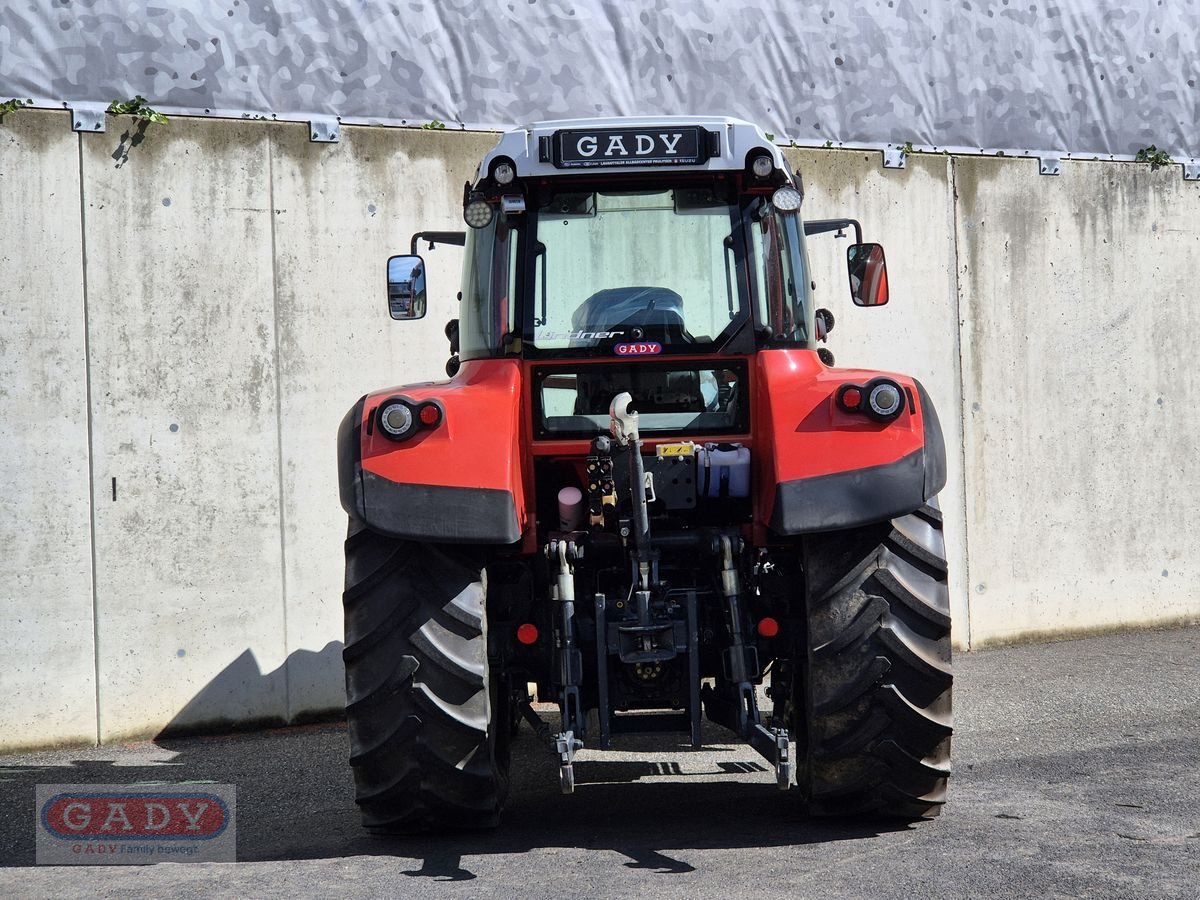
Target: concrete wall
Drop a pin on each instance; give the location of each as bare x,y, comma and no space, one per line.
1079,333
185,319
47,647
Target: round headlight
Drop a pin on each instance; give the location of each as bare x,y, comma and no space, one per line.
786,199
885,400
478,213
762,166
396,419
504,173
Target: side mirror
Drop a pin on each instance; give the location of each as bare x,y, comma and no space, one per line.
406,287
868,274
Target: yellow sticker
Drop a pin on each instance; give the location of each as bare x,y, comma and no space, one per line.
676,450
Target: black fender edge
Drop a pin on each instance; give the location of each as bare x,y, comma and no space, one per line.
935,444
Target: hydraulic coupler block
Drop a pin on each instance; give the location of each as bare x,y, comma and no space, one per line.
602,489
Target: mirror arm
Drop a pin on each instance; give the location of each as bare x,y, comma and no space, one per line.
456,238
821,226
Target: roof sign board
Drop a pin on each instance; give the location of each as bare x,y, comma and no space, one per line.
601,147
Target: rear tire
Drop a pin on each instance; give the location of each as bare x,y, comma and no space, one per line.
425,742
876,679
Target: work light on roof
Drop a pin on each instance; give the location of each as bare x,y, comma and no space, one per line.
504,172
478,213
762,166
786,199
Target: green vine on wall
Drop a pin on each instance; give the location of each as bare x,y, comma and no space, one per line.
11,106
138,108
143,115
1157,158
435,125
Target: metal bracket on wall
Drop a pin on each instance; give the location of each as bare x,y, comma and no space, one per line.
87,117
1049,165
893,156
324,131
1191,170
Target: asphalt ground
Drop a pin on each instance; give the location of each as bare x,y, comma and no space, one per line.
1076,774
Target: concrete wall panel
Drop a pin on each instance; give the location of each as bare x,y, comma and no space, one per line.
341,211
182,338
908,211
46,639
1079,339
236,309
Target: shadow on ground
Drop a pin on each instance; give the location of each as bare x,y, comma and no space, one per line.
295,792
1075,775
295,801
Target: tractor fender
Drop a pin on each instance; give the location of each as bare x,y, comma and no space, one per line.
826,468
456,482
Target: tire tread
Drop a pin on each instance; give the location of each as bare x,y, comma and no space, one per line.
877,735
417,686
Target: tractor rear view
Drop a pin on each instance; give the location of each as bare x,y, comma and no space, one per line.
645,490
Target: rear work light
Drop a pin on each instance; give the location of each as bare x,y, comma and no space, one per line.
504,172
880,399
787,199
762,166
478,212
399,419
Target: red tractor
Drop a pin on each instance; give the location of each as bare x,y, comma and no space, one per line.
645,490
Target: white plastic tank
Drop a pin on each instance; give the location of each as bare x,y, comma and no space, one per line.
723,472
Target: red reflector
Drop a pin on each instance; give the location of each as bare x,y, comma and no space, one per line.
527,633
430,415
852,399
768,627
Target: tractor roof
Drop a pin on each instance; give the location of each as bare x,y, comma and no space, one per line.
635,143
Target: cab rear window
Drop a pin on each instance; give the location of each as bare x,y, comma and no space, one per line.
671,398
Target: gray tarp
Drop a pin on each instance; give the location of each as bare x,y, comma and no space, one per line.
1066,75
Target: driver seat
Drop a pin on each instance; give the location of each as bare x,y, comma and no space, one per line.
639,313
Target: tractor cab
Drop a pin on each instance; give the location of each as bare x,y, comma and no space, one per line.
644,239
